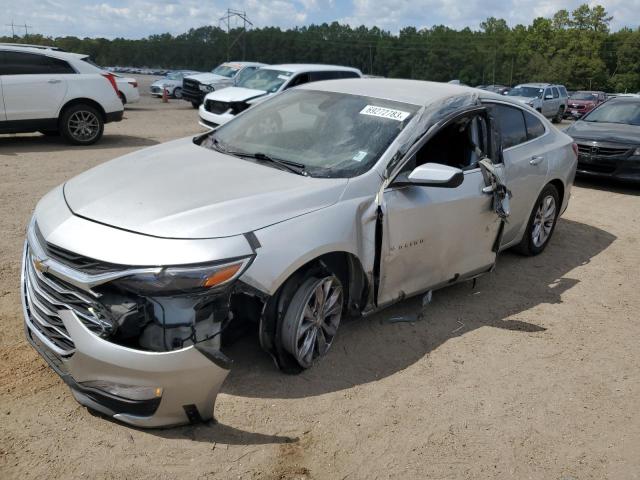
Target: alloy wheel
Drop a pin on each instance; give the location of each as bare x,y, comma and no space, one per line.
543,221
316,323
84,125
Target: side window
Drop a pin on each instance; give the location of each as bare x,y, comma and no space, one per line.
20,63
563,91
555,92
511,125
299,80
59,66
349,74
535,128
318,76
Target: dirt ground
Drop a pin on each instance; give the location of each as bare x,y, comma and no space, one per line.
531,375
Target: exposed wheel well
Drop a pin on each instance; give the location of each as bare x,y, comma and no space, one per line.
84,101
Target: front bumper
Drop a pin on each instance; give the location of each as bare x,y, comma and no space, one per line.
114,116
212,120
603,162
190,378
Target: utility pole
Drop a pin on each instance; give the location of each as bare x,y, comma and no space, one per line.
26,29
238,15
13,31
370,61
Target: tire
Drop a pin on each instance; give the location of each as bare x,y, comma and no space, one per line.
541,224
195,104
177,93
123,99
81,124
312,318
559,115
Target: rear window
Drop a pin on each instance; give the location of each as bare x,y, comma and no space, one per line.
535,128
511,125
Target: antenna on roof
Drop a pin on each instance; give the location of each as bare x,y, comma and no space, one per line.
238,16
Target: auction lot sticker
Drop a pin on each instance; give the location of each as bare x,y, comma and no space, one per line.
382,112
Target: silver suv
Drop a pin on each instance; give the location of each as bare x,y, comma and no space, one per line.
550,100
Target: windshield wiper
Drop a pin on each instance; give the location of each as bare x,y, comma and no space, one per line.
294,167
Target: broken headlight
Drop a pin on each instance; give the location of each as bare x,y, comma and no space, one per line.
180,280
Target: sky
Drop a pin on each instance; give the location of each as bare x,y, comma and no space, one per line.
140,18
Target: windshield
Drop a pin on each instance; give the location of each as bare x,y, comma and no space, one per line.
584,96
332,134
173,76
224,70
616,112
529,92
268,80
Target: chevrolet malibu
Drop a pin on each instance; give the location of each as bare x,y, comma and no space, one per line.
138,273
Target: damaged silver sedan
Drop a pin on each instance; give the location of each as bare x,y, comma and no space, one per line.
329,200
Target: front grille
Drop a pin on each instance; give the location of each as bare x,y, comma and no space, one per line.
577,106
191,86
601,151
214,106
46,295
596,168
74,260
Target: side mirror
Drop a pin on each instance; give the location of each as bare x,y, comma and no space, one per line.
432,175
548,97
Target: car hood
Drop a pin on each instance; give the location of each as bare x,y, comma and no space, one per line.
182,190
165,81
210,78
235,94
605,132
522,99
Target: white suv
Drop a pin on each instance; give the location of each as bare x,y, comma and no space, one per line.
55,92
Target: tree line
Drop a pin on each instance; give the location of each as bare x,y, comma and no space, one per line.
574,48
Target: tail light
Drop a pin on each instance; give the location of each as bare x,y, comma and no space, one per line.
133,84
575,148
112,80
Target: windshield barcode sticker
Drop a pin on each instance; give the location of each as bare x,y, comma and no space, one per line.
374,111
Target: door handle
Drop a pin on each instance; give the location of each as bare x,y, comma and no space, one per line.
535,160
54,80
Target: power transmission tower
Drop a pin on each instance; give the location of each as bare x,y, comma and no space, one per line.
26,29
13,31
239,16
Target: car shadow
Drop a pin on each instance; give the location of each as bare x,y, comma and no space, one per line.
12,145
608,185
369,349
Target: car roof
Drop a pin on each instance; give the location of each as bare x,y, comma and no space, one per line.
44,51
416,92
310,67
539,85
244,64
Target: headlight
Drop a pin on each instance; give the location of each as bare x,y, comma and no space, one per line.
176,280
206,88
636,152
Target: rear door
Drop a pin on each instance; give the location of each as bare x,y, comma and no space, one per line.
3,116
433,235
34,86
525,161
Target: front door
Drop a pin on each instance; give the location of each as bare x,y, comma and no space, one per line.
433,235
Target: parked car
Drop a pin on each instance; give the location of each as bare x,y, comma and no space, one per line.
608,140
582,102
137,272
549,100
56,92
195,87
221,106
127,89
499,89
172,82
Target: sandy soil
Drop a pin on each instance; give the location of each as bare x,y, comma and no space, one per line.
534,374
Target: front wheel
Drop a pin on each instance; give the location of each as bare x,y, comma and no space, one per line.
312,318
542,222
81,124
195,104
177,92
